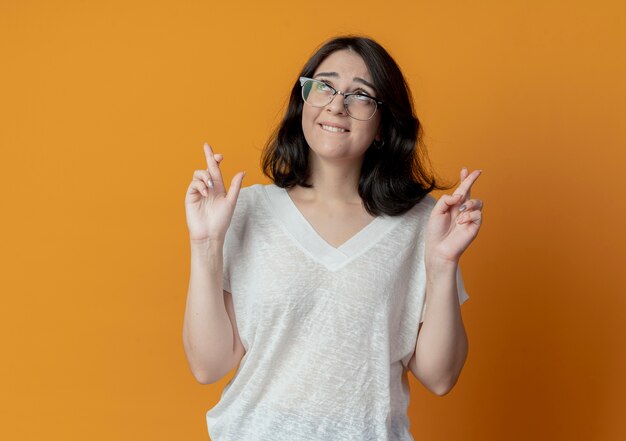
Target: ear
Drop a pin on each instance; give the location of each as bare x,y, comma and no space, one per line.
379,134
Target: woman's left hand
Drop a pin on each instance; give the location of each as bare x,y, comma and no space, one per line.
454,222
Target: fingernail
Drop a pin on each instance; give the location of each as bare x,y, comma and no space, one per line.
463,207
209,183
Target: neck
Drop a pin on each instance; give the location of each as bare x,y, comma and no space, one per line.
334,182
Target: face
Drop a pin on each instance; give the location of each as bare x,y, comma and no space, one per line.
329,131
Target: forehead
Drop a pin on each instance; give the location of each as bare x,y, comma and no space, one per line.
346,63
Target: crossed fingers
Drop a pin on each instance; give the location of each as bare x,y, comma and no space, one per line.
471,208
467,180
213,173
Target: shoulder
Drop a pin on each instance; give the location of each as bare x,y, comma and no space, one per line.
417,217
422,208
252,215
256,191
409,226
245,214
428,202
248,196
249,191
252,201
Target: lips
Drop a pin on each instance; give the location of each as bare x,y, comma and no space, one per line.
333,127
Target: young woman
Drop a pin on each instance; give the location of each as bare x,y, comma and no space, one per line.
326,287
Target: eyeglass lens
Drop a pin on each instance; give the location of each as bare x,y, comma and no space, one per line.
319,94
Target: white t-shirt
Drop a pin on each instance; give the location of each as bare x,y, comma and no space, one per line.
327,331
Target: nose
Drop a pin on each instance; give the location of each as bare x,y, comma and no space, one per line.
337,105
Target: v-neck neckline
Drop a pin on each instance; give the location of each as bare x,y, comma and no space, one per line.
302,232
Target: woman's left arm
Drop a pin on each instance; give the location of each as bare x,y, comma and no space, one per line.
441,347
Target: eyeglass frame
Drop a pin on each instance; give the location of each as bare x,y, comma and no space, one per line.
303,80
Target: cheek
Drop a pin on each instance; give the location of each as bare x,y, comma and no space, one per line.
371,130
308,120
306,117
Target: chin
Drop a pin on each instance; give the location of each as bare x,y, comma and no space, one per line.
334,153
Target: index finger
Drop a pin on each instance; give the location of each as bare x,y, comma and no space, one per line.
464,187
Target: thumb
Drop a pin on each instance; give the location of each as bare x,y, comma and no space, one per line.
235,186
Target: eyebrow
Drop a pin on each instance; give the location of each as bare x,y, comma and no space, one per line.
355,79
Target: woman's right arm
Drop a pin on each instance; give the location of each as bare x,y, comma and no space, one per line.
210,336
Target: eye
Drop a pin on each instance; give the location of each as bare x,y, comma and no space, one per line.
362,97
323,87
361,92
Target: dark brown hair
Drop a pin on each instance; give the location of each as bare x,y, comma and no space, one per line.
393,178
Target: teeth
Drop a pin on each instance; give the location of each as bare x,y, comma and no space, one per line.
332,129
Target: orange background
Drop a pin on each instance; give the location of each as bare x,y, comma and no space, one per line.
103,110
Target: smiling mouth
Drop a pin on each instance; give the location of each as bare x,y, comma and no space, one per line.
333,129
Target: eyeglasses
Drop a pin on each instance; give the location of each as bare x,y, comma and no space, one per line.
319,94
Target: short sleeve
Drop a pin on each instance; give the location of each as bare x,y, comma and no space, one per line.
230,242
460,286
226,283
233,240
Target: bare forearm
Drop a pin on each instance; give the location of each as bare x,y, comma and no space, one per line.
207,330
441,347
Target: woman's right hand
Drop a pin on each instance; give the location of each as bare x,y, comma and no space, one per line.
208,207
